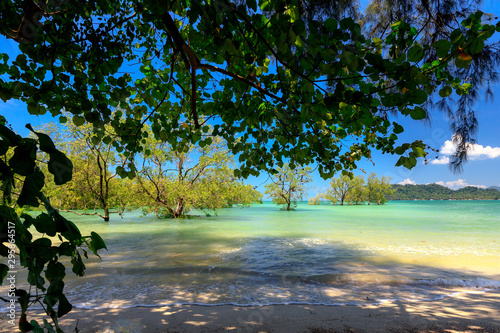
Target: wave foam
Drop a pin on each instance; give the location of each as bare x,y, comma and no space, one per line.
475,283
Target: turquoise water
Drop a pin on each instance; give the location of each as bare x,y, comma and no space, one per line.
416,250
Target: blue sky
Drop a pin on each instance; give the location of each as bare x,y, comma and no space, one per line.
483,169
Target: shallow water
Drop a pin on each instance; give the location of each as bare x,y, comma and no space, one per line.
418,250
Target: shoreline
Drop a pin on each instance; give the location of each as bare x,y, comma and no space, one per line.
461,312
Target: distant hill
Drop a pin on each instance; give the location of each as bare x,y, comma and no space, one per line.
494,188
438,192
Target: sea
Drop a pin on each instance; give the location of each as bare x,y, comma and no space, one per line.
414,251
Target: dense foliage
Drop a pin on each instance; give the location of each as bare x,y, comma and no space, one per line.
436,20
168,183
439,192
289,84
95,185
38,244
171,183
356,191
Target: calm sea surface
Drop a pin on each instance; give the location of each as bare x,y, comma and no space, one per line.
412,250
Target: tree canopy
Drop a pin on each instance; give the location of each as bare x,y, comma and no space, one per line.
94,183
288,186
171,183
437,20
355,190
289,84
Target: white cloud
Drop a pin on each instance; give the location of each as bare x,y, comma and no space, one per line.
456,184
441,160
476,152
448,148
407,181
479,152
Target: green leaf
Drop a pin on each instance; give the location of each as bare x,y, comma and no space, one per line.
476,46
24,326
331,24
64,306
65,249
6,133
398,129
96,243
299,26
44,224
49,328
4,147
95,140
419,96
78,265
107,140
347,23
252,4
46,143
466,86
401,149
56,287
456,36
401,161
266,5
61,167
462,63
28,220
53,294
445,92
328,54
396,24
34,278
249,58
78,120
54,270
43,249
23,160
415,53
442,47
36,109
419,152
299,42
410,162
35,326
72,232
4,252
31,189
418,113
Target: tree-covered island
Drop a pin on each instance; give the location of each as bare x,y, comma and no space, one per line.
439,192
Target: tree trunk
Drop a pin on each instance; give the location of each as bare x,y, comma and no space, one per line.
288,205
106,214
179,209
177,213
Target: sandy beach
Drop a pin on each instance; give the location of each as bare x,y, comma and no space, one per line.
462,312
